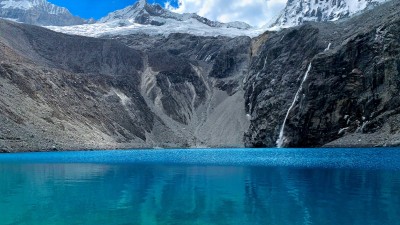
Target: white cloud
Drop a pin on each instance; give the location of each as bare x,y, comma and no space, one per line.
254,12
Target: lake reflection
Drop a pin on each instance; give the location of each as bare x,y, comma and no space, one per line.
176,194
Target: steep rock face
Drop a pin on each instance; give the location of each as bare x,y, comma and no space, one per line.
274,78
297,12
350,90
37,12
363,95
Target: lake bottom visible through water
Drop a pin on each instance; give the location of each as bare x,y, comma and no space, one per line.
59,191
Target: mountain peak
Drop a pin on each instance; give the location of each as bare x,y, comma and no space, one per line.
154,14
297,12
31,4
37,12
142,3
141,12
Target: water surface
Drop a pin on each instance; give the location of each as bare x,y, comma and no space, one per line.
231,186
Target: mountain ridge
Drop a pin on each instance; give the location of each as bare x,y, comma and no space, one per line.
297,12
144,18
38,12
154,14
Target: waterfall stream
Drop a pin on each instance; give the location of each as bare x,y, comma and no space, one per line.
328,48
281,140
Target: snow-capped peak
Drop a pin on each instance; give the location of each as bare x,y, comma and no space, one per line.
153,14
31,4
142,3
24,4
152,19
298,11
140,12
37,12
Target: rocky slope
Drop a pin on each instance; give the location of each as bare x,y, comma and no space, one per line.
37,12
332,84
70,92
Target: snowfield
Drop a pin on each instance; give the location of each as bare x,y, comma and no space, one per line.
297,12
126,27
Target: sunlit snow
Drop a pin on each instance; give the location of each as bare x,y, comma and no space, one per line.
25,4
126,27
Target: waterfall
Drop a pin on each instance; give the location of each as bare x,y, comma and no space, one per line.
281,140
328,48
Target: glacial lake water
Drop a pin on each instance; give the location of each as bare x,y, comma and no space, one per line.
218,186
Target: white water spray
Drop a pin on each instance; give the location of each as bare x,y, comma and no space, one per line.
328,48
281,140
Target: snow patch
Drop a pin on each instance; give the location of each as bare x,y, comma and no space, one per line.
248,116
124,99
11,19
343,130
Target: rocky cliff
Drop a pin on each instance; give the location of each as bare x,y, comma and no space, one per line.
331,84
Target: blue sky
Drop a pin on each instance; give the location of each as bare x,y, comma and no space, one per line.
98,8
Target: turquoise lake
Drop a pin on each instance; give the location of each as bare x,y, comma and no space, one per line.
218,186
